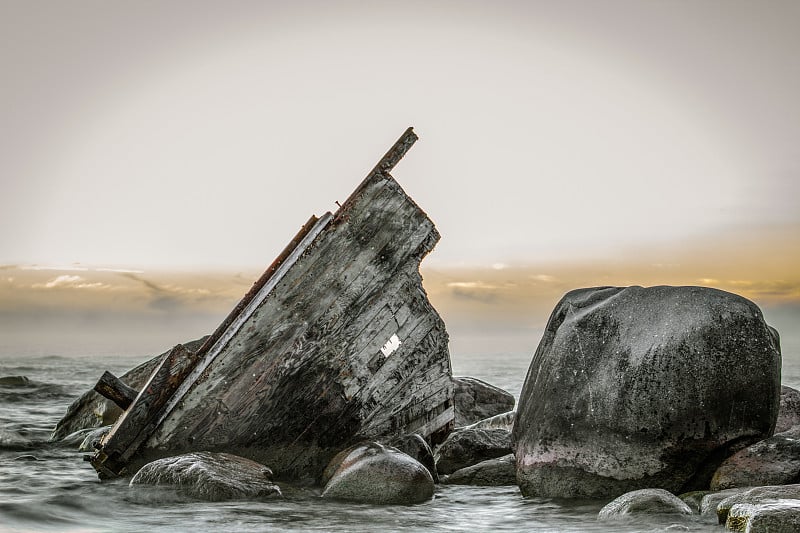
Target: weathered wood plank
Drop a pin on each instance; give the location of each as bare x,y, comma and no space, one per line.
113,388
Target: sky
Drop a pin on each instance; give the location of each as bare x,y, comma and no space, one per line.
156,156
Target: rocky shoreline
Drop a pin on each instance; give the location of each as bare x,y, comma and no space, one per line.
661,402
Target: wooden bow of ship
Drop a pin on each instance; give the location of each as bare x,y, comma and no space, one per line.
335,343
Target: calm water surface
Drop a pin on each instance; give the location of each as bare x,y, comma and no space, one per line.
44,487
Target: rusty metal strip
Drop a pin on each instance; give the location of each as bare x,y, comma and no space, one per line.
384,166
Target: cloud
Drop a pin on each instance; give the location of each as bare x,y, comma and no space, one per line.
66,281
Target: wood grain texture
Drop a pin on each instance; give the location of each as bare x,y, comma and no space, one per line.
303,376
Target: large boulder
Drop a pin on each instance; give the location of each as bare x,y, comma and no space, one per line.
490,473
210,476
373,473
475,400
789,412
644,387
91,410
773,461
644,501
468,446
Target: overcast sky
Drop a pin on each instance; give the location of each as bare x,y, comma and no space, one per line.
197,135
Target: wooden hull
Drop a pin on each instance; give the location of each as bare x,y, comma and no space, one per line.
336,343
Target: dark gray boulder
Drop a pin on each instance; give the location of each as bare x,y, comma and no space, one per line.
475,400
417,447
772,461
468,446
90,410
777,516
373,473
756,495
210,476
490,473
644,388
644,501
789,411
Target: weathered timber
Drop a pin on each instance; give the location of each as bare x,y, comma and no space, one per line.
113,388
336,343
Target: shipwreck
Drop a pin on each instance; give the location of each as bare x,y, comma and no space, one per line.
335,343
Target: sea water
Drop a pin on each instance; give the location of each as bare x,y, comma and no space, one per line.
48,487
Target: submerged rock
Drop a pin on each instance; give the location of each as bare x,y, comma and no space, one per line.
475,400
373,473
210,476
491,473
644,501
644,387
468,446
778,516
14,381
789,412
757,495
92,438
773,461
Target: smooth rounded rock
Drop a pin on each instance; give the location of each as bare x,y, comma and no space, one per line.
476,400
210,476
772,461
757,495
491,473
417,447
373,473
710,501
776,516
644,501
468,446
644,387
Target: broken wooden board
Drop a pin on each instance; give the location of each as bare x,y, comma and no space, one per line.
336,343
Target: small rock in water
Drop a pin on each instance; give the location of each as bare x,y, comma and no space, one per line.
373,473
210,476
644,501
757,495
14,381
709,502
772,461
491,473
468,446
777,516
